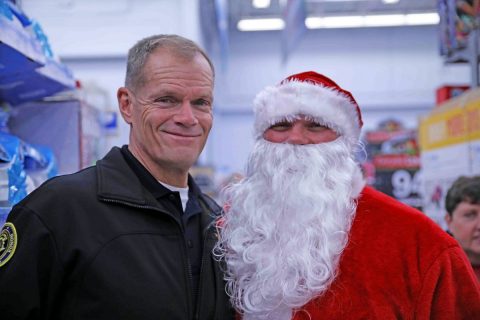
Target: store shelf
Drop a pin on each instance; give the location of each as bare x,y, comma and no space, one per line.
469,54
70,128
18,50
25,73
35,85
459,56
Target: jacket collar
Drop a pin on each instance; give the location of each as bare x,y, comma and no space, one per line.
117,181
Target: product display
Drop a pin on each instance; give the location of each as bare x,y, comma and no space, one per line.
29,72
13,186
33,72
450,140
393,162
40,163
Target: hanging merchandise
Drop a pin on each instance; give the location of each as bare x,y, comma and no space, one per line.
30,71
39,163
19,52
12,174
4,117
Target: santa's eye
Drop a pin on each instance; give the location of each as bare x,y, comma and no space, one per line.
281,126
312,125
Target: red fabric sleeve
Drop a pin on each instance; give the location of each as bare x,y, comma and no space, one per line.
450,289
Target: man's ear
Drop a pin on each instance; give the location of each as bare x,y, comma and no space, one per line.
448,219
125,104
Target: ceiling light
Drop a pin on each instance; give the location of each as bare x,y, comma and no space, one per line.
422,18
336,0
427,18
412,19
334,22
390,1
260,24
386,20
261,4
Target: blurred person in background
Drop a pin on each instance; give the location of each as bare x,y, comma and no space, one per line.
304,238
463,217
132,236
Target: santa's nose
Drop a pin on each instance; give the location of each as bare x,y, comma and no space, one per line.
298,135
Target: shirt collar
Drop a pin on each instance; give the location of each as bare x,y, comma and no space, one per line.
149,181
145,177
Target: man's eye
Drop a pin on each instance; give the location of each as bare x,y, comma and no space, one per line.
202,103
317,126
165,100
281,126
470,215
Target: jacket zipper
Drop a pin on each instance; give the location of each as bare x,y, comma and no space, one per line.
189,269
181,227
202,263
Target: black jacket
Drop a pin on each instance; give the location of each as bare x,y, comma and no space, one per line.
97,245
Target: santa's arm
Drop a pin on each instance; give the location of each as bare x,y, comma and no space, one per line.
450,289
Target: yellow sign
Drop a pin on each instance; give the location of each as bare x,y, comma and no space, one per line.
455,122
443,129
472,110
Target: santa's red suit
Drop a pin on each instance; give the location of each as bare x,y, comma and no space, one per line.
476,269
405,272
340,251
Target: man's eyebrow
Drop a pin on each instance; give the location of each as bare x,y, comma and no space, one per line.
204,96
163,93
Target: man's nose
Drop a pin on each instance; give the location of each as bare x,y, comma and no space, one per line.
185,115
297,135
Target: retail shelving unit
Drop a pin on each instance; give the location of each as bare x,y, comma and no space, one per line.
43,108
450,136
26,74
469,54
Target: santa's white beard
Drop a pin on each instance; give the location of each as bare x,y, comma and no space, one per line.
287,225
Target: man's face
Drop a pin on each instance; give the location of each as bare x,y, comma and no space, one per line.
170,111
464,223
300,131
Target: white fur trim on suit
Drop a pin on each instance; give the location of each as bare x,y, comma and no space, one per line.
293,98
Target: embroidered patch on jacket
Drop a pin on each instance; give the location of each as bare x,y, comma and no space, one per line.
8,242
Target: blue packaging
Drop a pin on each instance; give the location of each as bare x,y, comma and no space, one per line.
13,186
39,163
4,211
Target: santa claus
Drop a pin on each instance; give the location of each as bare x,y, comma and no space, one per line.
303,237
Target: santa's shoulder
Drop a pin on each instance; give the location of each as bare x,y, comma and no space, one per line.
380,213
371,199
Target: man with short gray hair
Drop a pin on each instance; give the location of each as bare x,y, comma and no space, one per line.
132,236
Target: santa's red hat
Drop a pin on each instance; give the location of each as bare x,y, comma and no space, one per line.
313,95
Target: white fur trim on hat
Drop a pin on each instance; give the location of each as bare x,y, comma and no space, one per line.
293,98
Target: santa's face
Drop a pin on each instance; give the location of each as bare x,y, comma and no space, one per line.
301,130
287,224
